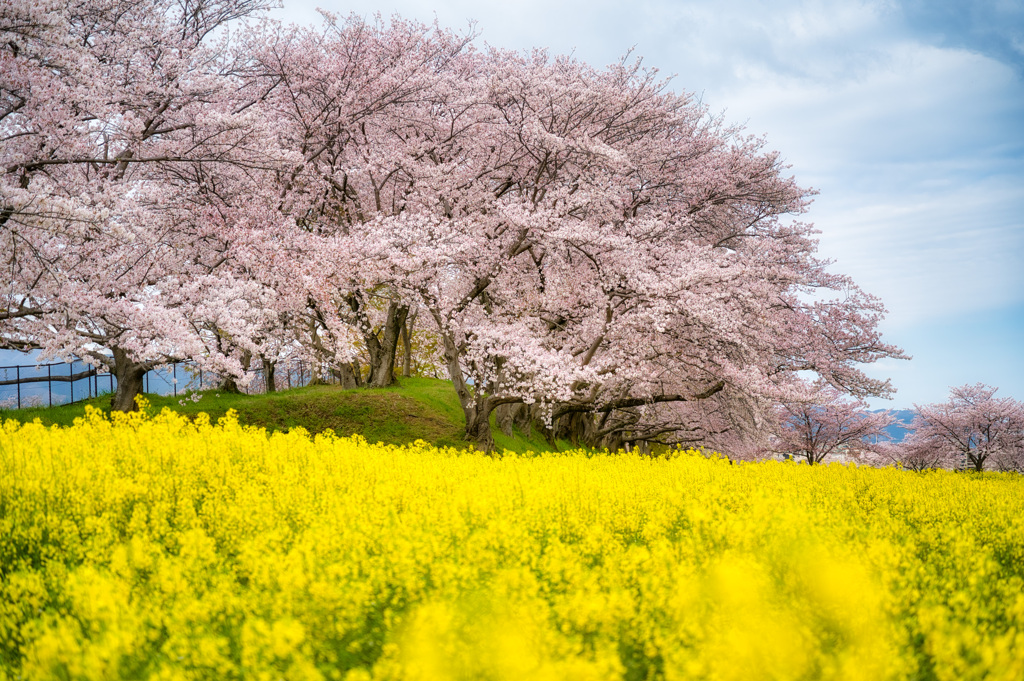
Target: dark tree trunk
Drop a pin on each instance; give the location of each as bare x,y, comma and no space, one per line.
613,442
578,428
475,408
268,374
407,330
504,416
348,375
228,384
522,418
381,348
478,428
384,348
129,375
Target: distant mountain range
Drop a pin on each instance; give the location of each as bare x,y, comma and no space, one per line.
900,429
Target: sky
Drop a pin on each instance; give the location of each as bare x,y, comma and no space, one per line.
907,118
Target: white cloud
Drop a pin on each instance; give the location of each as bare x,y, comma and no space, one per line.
931,255
920,171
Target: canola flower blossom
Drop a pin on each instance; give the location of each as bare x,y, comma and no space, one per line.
152,547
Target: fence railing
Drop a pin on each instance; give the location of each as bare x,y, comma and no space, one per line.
46,385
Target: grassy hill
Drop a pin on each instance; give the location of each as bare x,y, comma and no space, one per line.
415,409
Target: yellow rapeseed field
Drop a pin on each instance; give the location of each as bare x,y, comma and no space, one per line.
157,548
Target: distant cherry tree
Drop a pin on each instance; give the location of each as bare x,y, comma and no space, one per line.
974,429
826,423
915,455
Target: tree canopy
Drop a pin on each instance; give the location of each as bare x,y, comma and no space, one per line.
585,246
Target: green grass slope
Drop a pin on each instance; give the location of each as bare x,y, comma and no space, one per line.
415,409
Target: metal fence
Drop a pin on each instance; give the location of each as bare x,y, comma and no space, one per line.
47,385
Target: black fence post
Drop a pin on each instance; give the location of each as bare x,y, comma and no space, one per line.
49,383
17,377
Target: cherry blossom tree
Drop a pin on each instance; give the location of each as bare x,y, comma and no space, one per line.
121,135
602,246
581,241
915,455
347,97
824,423
1010,457
974,429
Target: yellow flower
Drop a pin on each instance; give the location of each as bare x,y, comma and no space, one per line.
149,546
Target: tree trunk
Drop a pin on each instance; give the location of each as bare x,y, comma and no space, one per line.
522,418
478,428
129,377
504,416
578,428
348,376
407,329
228,383
613,442
476,410
268,374
383,349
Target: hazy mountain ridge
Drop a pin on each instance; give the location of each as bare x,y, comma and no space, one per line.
900,429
